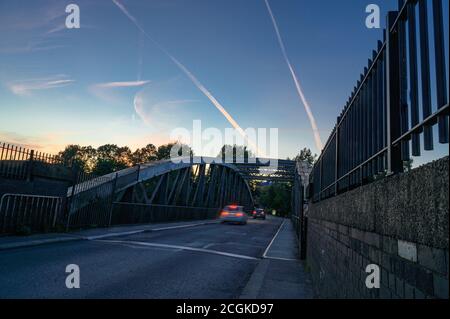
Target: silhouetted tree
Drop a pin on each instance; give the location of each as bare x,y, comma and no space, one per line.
235,152
277,197
145,154
408,165
81,157
111,158
307,156
164,151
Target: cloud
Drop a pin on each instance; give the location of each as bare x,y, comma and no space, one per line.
25,31
19,140
308,110
163,104
47,142
105,91
33,45
42,16
121,84
25,87
192,77
57,28
154,113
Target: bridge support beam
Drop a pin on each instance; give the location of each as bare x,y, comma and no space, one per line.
211,186
198,194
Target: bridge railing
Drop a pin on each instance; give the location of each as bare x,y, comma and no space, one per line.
389,111
298,214
89,200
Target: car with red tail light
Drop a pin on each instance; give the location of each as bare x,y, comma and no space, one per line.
259,213
233,214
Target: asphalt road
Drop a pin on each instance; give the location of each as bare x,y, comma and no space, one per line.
209,261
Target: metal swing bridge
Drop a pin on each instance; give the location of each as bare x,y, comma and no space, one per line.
177,189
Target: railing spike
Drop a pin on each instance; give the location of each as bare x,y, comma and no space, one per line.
380,45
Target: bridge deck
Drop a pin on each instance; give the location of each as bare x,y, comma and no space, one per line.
154,261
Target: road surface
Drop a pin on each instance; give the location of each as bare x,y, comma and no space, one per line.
208,261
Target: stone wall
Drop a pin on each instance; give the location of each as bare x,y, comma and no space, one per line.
399,223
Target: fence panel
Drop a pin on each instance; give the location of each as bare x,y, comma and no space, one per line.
36,213
383,121
90,199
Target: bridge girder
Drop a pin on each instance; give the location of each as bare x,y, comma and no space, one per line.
199,189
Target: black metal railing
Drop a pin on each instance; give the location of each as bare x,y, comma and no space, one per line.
89,200
391,107
29,213
16,161
298,217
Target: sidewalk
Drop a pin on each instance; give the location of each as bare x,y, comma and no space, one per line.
11,242
280,274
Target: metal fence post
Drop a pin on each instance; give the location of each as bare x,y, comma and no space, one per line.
336,163
320,178
441,76
69,202
138,172
394,160
30,166
111,206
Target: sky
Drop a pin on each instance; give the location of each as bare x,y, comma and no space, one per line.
114,80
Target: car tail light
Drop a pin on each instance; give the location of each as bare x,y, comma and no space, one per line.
254,212
224,214
239,214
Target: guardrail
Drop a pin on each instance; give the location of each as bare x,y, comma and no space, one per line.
27,213
380,123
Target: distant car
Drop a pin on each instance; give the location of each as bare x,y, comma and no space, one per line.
233,214
259,213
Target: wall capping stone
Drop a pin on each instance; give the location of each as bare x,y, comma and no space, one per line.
411,206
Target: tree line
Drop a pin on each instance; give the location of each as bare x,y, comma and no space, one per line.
277,196
109,158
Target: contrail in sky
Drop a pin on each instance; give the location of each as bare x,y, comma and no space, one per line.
194,80
312,120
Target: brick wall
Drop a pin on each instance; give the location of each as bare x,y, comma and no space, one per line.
399,223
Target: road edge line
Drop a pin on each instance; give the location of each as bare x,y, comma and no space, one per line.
273,239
